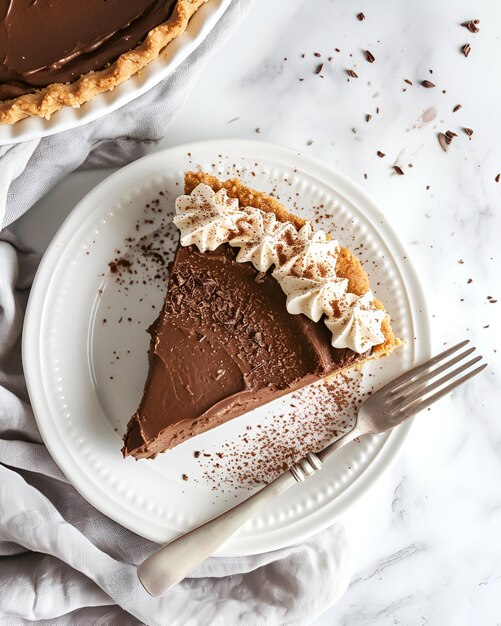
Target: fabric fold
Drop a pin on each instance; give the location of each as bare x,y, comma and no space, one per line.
49,533
61,561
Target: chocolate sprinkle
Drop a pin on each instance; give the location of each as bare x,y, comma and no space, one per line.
468,131
380,154
471,25
319,68
406,80
352,73
444,141
398,170
466,49
117,264
369,56
498,178
456,108
368,117
428,84
360,17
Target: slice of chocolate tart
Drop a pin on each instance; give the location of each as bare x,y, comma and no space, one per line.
258,304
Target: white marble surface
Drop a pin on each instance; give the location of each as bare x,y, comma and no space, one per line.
426,539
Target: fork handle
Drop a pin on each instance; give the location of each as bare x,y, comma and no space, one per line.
339,443
170,564
173,562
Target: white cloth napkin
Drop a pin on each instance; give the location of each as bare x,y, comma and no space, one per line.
61,561
64,562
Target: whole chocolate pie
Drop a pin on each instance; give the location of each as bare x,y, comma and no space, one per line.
258,304
55,53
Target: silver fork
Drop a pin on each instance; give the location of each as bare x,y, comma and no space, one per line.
383,410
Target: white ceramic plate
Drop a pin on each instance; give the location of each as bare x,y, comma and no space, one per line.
85,375
173,55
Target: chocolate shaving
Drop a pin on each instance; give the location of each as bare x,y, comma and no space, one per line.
380,154
468,131
398,170
360,17
498,178
471,25
352,73
456,108
369,56
317,54
406,80
368,117
319,68
119,263
450,134
428,84
466,49
444,141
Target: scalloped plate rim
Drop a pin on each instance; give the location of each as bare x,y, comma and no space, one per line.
311,523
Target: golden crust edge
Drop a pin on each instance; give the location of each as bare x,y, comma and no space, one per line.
348,265
54,97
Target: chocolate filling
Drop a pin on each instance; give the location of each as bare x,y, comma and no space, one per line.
56,41
223,344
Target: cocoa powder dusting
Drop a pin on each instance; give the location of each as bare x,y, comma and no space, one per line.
314,416
144,258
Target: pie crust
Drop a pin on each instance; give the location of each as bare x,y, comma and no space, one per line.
46,101
348,266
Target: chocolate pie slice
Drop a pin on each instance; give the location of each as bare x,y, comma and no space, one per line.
56,54
258,304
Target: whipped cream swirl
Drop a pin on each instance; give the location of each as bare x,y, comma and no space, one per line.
304,262
261,238
206,219
357,323
309,278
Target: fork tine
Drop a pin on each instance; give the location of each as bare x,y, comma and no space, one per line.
415,382
398,382
420,406
420,392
